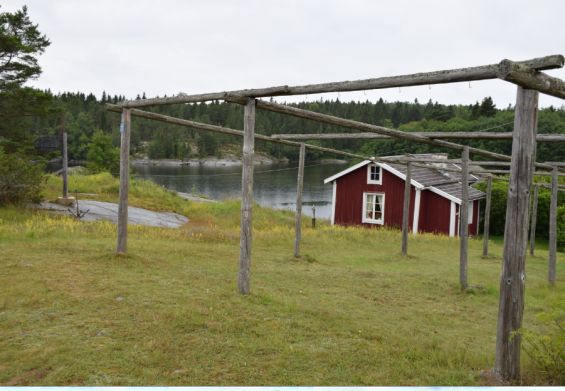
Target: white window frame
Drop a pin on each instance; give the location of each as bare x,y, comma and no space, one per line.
470,217
372,221
372,182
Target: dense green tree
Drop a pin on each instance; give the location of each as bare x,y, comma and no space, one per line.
102,155
20,44
488,108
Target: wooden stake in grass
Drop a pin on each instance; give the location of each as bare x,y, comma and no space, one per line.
244,276
298,231
487,216
65,167
534,221
553,227
124,183
464,218
406,211
513,276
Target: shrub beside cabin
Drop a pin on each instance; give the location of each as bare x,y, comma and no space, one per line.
372,195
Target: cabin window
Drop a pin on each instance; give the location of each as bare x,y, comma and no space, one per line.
374,174
373,208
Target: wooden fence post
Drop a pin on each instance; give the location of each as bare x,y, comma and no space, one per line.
406,212
487,216
298,224
464,218
65,167
513,276
244,276
124,183
553,227
534,221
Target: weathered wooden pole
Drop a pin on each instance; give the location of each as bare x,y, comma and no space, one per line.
244,276
513,276
65,167
406,212
464,218
298,224
534,221
487,216
124,183
553,227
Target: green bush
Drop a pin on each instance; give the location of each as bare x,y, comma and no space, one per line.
547,351
20,179
102,155
499,203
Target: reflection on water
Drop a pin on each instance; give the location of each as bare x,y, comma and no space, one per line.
273,184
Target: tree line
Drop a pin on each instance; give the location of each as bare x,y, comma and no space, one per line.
85,115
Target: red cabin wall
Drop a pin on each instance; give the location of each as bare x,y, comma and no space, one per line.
349,199
435,212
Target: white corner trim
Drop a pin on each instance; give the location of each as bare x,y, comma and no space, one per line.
452,220
400,175
416,212
347,171
444,194
333,202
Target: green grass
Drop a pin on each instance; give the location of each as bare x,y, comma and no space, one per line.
352,311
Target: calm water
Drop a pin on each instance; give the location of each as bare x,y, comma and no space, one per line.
273,184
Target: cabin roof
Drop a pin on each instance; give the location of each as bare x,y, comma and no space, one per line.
445,183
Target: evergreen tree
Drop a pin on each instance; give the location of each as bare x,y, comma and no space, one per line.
488,108
20,44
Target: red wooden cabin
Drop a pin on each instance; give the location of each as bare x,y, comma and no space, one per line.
372,194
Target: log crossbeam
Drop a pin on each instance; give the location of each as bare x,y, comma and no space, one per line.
500,136
485,72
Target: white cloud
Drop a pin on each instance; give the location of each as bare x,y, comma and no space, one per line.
164,47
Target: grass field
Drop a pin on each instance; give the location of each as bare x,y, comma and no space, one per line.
352,311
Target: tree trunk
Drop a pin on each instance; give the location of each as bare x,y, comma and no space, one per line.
464,218
406,211
124,183
513,276
298,223
65,167
534,221
553,228
487,217
244,276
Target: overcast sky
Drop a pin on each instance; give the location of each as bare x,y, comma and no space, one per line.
168,46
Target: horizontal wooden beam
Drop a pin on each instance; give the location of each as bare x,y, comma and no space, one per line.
544,185
543,138
485,72
346,123
531,79
506,172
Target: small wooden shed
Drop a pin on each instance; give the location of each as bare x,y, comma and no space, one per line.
372,194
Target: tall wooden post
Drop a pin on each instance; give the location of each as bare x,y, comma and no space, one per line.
534,221
65,167
487,216
464,218
553,227
513,276
244,276
124,183
298,226
406,212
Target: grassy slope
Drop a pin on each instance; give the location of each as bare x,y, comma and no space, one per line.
355,312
